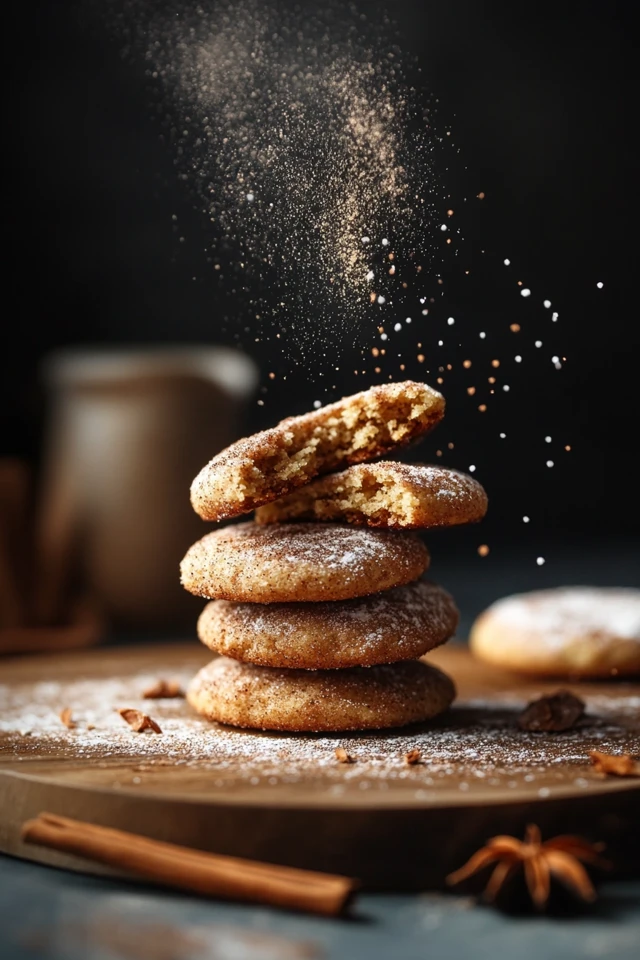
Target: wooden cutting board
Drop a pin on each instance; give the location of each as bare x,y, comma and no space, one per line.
285,798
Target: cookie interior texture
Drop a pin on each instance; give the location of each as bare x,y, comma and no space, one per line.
387,494
269,465
361,698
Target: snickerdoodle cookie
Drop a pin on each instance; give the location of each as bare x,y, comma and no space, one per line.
289,562
386,494
361,698
271,464
578,631
401,624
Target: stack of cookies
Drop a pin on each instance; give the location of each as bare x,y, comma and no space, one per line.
318,607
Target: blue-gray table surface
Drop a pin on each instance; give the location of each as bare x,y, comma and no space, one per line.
60,915
57,915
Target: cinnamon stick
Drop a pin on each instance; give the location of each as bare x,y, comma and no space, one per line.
205,873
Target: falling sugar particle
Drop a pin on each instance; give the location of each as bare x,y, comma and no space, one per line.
408,320
444,227
317,404
546,303
385,242
250,197
525,292
599,285
383,336
538,343
507,263
525,519
503,436
450,321
370,275
547,439
482,335
382,299
366,240
549,463
554,317
518,359
398,326
540,561
506,387
472,468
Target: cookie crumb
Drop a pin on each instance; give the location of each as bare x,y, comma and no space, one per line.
343,756
138,721
412,757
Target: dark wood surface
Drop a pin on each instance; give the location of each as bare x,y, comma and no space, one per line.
395,827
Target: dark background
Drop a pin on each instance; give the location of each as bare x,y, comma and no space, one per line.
536,96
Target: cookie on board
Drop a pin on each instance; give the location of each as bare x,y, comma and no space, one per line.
400,624
269,465
362,698
566,631
292,562
386,494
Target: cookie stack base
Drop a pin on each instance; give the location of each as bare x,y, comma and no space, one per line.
314,701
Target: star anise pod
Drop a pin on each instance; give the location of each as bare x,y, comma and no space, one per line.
562,857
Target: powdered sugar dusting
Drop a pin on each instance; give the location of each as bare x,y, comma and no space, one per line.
566,612
401,623
288,562
477,742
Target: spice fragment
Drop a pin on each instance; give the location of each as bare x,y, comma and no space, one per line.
163,689
139,721
552,714
66,717
622,765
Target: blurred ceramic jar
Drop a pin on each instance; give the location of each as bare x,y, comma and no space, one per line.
128,431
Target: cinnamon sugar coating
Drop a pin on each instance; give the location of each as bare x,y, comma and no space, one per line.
362,698
400,624
261,468
586,632
291,562
386,494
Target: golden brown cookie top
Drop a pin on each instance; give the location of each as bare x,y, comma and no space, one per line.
268,465
399,624
563,631
386,494
291,562
362,698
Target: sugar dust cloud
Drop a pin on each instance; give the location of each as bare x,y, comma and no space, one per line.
320,164
294,134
